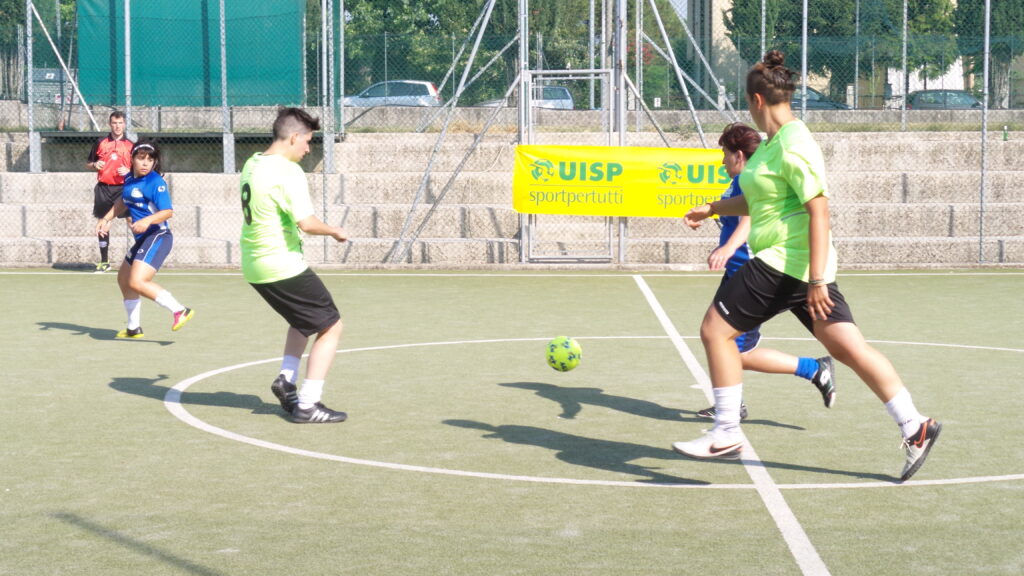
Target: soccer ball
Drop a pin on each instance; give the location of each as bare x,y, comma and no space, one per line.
564,353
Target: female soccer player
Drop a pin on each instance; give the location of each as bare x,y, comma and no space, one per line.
794,268
739,142
146,198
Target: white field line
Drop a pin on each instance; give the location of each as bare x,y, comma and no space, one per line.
806,556
172,401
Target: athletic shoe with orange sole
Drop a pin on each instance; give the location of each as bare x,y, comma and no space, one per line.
918,446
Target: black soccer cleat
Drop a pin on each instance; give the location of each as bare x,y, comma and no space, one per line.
286,392
710,412
918,446
825,380
318,414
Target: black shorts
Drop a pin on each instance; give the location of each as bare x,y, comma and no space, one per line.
758,293
103,198
303,301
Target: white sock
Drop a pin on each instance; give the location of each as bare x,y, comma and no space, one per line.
727,409
134,310
310,393
167,301
902,410
289,366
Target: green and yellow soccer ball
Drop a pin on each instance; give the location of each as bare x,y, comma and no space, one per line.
564,353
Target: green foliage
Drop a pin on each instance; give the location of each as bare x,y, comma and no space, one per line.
833,38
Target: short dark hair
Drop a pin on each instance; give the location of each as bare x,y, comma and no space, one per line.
149,148
116,114
771,79
294,121
740,137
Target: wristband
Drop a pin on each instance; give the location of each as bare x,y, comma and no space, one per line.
816,282
711,209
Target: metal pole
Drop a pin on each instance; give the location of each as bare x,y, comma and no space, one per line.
35,158
328,20
856,58
763,26
984,134
341,67
619,69
803,65
619,72
590,49
128,70
225,112
525,137
906,79
638,70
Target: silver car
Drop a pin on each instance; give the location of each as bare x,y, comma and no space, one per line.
396,93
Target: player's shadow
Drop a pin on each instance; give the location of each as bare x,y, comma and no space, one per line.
572,401
96,333
581,451
150,388
169,557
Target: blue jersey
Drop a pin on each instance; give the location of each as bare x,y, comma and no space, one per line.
144,197
729,225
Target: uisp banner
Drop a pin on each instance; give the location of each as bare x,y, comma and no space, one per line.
616,180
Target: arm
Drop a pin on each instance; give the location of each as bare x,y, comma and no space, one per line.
94,162
103,224
735,206
142,225
818,302
719,256
316,227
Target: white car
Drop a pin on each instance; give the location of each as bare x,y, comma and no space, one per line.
554,97
396,93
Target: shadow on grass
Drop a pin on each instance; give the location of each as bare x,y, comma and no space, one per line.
572,401
96,333
582,451
135,545
149,388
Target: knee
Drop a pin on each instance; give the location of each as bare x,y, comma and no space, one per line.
714,328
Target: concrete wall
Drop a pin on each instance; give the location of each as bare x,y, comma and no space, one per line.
898,199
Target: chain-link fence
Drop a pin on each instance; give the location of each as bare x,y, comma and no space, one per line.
915,108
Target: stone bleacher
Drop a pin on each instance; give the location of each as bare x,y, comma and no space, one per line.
899,199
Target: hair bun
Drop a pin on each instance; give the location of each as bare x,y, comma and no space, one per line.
774,58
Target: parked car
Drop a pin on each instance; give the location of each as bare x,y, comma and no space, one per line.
816,101
396,93
554,97
941,100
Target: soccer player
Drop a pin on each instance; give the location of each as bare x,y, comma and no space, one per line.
146,198
739,142
110,157
276,206
794,268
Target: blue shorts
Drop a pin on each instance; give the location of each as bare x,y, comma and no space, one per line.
152,249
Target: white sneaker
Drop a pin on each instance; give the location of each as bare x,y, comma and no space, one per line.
712,445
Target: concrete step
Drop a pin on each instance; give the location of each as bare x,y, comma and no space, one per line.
482,221
79,250
192,252
853,251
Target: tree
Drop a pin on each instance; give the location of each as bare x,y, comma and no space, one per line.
1005,43
831,27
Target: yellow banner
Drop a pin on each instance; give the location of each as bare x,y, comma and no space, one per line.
616,181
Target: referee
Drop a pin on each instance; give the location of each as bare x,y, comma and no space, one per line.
111,158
